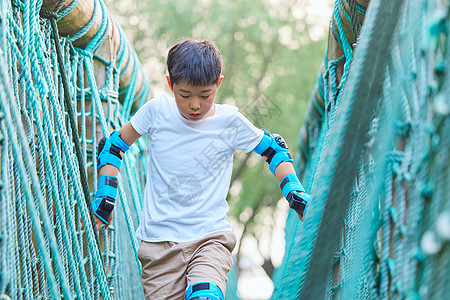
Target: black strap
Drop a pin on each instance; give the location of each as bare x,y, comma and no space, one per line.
111,181
115,151
269,153
284,182
297,204
106,207
200,286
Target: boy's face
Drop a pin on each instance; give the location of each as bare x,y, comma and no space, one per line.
194,102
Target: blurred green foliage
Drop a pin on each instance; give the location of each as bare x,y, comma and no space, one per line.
270,67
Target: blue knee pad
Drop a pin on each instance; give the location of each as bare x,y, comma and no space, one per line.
204,291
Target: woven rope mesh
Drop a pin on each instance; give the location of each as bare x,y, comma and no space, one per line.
44,251
58,97
374,153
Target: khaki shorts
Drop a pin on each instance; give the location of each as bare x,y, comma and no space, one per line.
168,268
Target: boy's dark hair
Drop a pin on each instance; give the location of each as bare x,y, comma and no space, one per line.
197,62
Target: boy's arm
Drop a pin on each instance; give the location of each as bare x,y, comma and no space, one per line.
286,170
274,150
111,151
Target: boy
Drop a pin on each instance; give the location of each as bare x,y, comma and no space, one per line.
186,240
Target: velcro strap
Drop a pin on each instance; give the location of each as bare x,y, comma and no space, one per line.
269,153
204,290
107,186
278,158
114,150
102,207
200,286
110,154
290,183
116,140
111,181
265,143
106,157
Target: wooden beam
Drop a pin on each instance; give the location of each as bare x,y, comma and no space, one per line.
77,19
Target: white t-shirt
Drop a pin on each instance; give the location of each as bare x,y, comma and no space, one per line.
189,169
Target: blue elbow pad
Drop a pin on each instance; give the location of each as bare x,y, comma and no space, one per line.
109,150
274,148
264,144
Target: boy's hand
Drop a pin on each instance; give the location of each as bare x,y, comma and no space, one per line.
99,222
295,194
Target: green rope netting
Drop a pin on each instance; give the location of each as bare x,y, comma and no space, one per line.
54,107
44,253
376,161
374,153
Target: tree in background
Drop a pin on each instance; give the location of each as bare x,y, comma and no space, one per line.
271,52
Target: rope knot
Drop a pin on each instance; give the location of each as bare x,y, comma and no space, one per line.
395,156
85,52
48,14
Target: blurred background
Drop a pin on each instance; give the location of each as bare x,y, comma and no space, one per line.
272,50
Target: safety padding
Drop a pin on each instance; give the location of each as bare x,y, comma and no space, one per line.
204,291
105,197
109,150
290,183
274,148
264,144
298,202
295,193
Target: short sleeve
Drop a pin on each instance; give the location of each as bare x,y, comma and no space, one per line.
247,135
143,119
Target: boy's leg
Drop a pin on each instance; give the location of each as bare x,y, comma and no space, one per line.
163,270
211,259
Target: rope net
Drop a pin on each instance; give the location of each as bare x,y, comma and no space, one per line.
374,152
58,97
57,100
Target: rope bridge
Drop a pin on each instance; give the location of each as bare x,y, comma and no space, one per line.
374,152
58,97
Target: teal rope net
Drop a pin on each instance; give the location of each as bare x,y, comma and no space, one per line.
50,104
374,153
56,101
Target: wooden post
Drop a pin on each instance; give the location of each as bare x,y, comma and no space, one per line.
76,19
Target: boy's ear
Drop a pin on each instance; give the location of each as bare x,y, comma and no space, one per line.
169,82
